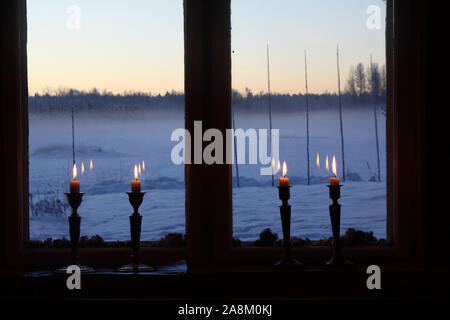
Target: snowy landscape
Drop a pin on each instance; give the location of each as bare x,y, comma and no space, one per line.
120,68
115,145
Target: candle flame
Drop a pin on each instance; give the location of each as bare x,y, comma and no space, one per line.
135,172
74,172
273,162
327,166
91,166
82,167
143,165
284,169
279,166
139,169
318,161
334,166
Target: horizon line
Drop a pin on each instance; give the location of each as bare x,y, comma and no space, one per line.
53,92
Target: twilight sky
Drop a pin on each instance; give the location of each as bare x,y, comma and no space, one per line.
138,44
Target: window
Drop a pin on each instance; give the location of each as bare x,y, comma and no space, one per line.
209,188
275,47
116,70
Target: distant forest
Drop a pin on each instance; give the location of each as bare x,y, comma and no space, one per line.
364,86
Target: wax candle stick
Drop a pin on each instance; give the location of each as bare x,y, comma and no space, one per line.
334,181
135,184
74,184
284,180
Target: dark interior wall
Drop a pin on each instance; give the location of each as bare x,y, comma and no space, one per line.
435,98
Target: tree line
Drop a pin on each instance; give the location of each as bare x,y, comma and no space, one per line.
362,84
366,81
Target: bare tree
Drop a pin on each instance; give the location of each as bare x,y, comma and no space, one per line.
374,79
270,110
351,86
307,120
360,79
235,152
374,90
340,113
383,79
383,88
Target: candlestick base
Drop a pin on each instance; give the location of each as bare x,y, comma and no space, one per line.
130,268
288,265
339,263
83,269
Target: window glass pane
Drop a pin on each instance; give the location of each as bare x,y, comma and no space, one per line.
286,29
119,66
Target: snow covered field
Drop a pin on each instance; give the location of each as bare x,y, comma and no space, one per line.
115,146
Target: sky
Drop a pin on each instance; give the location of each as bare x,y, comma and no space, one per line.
137,45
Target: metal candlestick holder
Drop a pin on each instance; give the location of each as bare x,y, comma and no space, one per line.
74,199
287,262
337,261
136,199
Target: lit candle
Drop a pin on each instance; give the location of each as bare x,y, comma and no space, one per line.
91,166
318,160
82,167
334,181
143,165
135,184
74,184
284,181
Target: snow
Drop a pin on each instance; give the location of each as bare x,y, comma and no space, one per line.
115,146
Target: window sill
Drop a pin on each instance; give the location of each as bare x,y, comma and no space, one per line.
173,282
47,258
383,255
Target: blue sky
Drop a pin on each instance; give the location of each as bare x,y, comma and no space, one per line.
138,44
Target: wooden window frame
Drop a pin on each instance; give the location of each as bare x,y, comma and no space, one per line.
209,187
